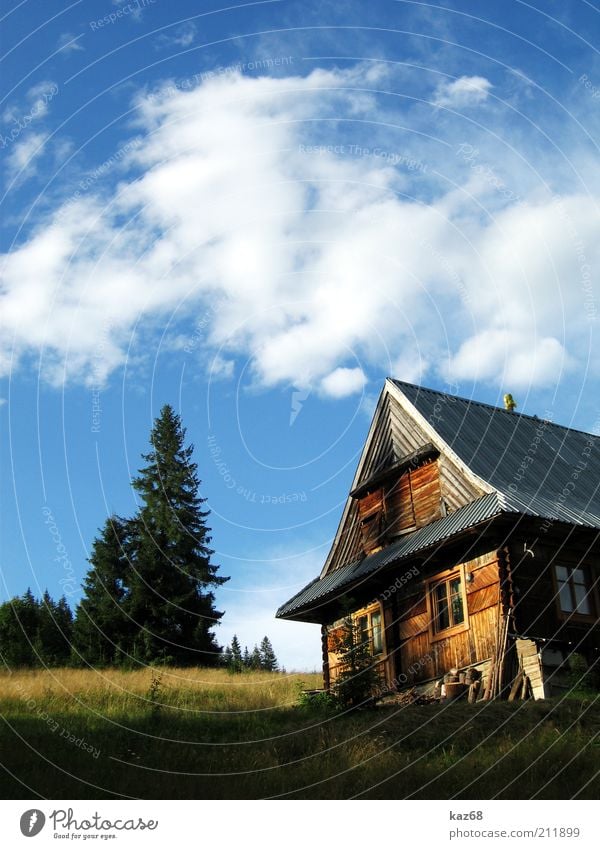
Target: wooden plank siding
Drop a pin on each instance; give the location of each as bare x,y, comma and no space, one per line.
411,501
422,657
426,493
457,490
400,508
348,546
395,435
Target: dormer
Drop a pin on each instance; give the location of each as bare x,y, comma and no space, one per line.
399,499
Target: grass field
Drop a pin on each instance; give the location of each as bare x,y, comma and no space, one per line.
71,734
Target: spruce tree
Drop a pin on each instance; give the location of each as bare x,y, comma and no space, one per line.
236,662
256,659
358,680
246,658
267,655
54,631
171,598
103,630
18,631
35,633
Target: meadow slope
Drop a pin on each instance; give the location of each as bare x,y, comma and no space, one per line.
181,733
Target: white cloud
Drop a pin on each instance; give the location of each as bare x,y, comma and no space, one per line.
343,382
255,592
465,91
69,43
40,96
313,255
20,161
508,358
182,36
35,106
22,144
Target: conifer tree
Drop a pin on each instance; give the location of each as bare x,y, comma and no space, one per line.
358,679
103,631
236,663
54,631
267,655
171,598
35,633
256,659
18,631
246,658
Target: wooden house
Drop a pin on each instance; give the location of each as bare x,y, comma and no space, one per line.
469,540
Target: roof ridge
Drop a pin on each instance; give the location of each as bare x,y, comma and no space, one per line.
493,407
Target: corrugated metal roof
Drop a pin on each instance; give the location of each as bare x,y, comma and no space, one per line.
340,580
546,469
535,467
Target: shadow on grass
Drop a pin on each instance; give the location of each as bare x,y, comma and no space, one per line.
512,751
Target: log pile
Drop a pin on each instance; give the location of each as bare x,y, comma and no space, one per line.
411,697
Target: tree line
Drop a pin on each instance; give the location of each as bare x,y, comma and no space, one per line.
148,596
35,632
262,657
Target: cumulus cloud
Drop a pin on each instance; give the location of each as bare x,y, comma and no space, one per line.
315,255
35,106
343,382
21,159
465,91
23,145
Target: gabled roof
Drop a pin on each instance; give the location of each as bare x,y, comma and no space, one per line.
528,459
341,580
514,464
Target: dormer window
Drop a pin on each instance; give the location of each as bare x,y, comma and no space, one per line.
399,499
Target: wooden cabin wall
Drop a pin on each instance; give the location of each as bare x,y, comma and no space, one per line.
537,613
535,609
422,658
332,656
426,493
385,662
400,511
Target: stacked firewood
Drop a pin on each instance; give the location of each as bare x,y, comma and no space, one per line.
411,697
458,685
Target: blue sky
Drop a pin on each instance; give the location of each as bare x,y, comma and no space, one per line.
256,214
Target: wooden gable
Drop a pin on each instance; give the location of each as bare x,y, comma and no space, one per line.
433,486
405,501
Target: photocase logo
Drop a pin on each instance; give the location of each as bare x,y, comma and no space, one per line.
32,822
298,397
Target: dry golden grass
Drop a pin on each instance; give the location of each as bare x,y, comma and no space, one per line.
206,734
183,689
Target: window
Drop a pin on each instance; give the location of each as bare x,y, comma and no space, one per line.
447,603
574,590
371,510
370,629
